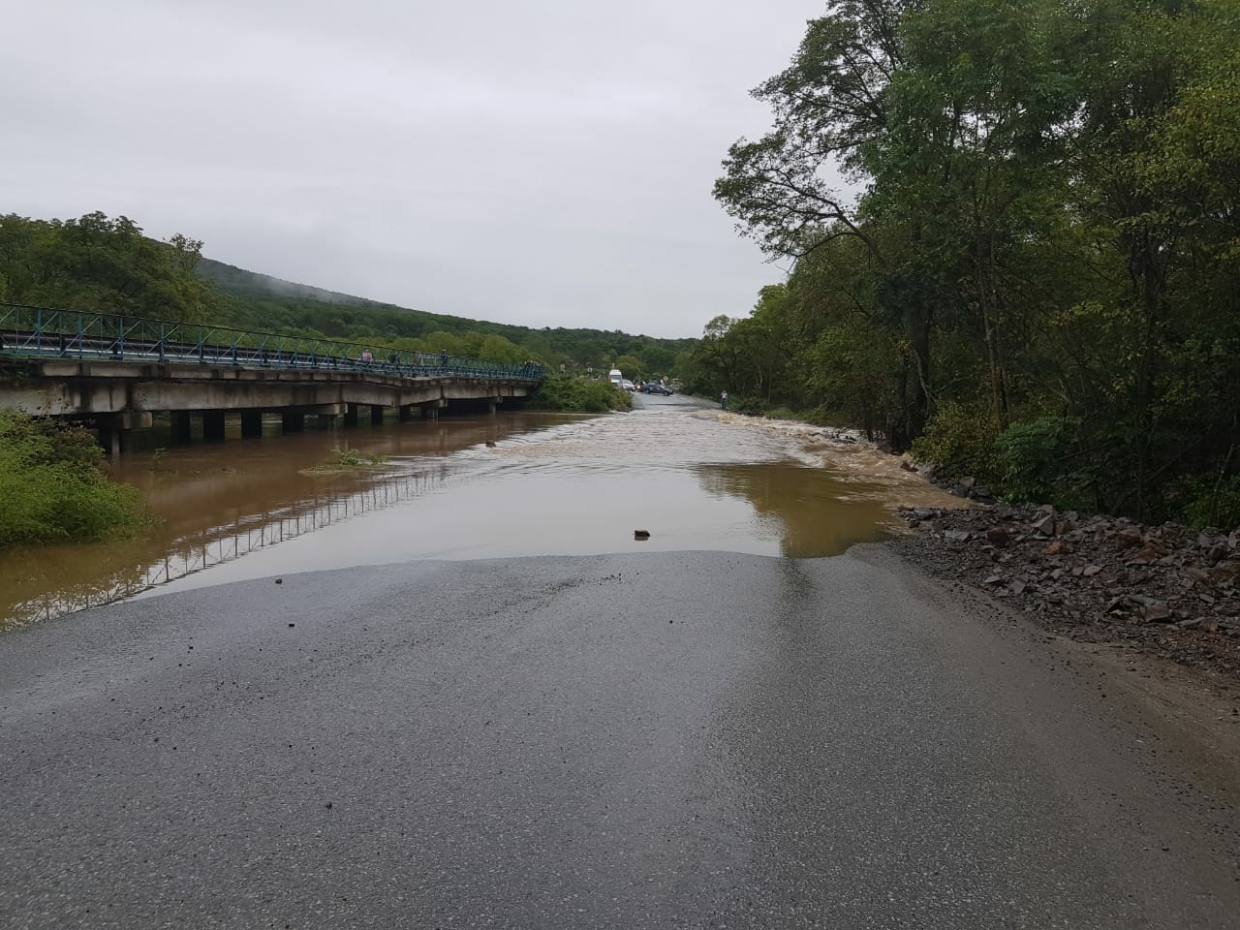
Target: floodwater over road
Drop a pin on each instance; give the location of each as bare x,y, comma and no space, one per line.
514,484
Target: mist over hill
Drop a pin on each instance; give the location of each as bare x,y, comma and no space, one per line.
239,281
254,300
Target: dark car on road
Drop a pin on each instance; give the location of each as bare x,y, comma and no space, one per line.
654,387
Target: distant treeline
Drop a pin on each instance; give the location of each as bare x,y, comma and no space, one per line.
108,265
1039,284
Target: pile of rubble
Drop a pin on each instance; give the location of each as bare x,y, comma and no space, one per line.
1171,589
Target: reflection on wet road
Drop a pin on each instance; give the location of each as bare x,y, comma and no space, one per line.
546,485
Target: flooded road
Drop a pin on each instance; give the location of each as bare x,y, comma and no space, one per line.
516,484
638,739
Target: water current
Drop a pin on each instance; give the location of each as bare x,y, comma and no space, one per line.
508,485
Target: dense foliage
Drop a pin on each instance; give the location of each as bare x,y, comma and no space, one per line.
54,487
574,393
1039,281
102,265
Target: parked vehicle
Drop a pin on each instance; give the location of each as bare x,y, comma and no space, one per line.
654,387
628,385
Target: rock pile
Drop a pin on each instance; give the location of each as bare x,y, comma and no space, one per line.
1171,589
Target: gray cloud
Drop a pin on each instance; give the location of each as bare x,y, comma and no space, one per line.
540,163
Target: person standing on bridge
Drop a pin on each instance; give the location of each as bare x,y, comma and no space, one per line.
367,357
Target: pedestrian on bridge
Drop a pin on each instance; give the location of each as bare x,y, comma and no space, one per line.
367,357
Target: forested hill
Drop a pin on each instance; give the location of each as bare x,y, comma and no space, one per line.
238,281
259,301
103,264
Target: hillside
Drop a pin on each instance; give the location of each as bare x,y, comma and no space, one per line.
242,283
258,301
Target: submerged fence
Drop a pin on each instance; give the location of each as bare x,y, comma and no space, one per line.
45,332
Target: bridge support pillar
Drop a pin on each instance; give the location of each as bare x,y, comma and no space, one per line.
182,428
251,424
112,436
406,413
213,425
376,415
350,415
293,422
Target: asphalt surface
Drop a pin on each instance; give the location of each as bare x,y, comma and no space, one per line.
647,741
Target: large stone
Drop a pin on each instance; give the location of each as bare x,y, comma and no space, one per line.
1045,526
998,536
1157,613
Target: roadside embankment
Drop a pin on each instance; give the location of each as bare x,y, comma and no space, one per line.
1168,589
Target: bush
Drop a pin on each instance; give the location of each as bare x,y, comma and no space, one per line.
54,487
960,441
1030,454
573,393
1214,503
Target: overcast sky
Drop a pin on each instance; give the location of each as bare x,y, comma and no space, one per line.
546,162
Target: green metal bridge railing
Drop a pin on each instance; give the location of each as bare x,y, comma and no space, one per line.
46,332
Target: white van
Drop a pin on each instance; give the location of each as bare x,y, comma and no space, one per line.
616,377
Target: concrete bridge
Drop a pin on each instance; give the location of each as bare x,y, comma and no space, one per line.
117,374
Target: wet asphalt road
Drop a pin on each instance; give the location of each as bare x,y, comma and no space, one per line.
644,741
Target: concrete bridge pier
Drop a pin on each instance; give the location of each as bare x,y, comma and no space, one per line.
406,412
293,422
350,415
326,422
251,424
376,414
112,437
213,425
116,429
182,426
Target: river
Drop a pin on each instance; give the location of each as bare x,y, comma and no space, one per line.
512,484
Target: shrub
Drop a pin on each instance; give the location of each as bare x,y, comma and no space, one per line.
54,486
1214,503
1030,455
960,441
573,393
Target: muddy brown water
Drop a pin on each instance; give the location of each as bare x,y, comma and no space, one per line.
694,478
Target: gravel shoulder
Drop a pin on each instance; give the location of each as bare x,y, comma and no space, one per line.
1168,591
